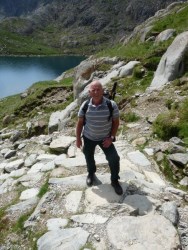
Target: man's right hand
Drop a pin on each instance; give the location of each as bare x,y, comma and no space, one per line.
79,142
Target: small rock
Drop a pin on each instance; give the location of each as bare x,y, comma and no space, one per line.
96,236
43,210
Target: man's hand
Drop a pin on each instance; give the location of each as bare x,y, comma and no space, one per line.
107,142
79,128
79,142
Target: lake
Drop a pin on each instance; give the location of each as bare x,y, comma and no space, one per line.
19,73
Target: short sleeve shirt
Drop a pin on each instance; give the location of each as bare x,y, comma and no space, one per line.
97,124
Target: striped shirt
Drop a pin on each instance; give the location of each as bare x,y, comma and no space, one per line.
97,127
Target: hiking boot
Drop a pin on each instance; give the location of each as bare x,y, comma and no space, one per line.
118,189
89,180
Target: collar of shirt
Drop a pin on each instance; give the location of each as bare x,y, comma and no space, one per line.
103,103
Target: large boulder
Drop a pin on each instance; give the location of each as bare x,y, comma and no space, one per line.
83,73
171,65
144,232
86,71
165,35
58,118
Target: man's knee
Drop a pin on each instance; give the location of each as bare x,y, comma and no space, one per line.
114,159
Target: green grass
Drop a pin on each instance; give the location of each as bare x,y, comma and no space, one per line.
129,117
9,104
43,189
19,225
167,171
175,20
127,87
14,42
172,123
88,245
132,51
25,108
165,126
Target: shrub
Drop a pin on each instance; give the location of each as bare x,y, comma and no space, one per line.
129,117
183,121
152,63
169,103
138,72
166,126
174,122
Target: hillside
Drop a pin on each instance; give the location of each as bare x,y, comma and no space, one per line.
69,27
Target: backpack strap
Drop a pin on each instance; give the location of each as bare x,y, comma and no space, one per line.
109,104
85,107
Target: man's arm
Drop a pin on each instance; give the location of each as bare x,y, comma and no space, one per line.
115,126
108,141
79,128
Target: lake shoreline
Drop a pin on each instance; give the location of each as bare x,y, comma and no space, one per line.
17,73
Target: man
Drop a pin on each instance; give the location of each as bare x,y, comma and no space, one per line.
98,128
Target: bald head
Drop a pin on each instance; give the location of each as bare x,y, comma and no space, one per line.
95,84
96,91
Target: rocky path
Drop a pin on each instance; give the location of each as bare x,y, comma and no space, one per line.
150,214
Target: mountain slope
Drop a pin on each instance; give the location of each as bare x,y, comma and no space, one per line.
75,26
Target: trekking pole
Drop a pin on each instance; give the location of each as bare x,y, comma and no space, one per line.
113,91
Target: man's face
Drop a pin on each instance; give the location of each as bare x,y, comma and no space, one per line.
96,91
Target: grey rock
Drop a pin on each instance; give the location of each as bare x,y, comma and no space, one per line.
170,211
171,63
15,135
18,173
144,204
179,158
31,221
30,180
14,165
29,193
21,146
127,69
78,181
177,141
24,206
71,238
36,168
184,181
159,156
9,154
89,218
58,117
8,185
128,233
61,144
30,160
138,158
176,191
165,35
56,223
72,201
46,157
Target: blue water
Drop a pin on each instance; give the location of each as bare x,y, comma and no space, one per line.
19,73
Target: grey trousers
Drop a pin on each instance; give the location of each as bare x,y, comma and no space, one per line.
111,156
